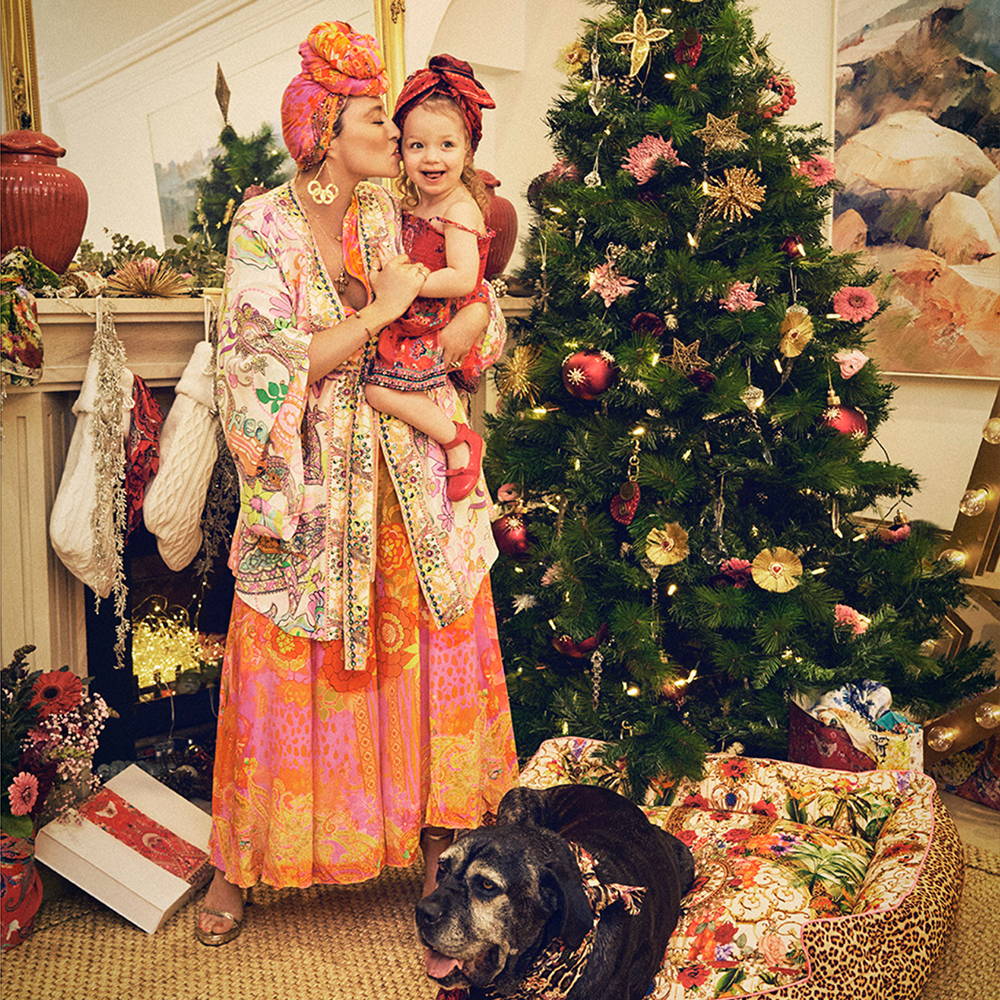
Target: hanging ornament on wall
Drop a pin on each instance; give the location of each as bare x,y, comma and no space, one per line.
843,419
511,535
625,502
721,134
587,374
640,38
796,331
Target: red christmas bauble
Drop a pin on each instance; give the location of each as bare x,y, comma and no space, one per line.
844,419
568,646
586,374
793,246
511,535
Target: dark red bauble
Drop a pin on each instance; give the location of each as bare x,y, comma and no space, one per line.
793,246
511,535
647,322
587,374
568,646
844,419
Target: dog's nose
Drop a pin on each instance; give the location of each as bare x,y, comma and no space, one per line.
429,911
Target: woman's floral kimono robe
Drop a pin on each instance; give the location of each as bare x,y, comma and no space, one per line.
363,695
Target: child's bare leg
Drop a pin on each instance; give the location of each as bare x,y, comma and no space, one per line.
419,411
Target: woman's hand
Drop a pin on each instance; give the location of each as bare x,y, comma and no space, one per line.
396,284
457,338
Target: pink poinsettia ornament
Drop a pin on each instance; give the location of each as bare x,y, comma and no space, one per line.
741,297
847,617
643,159
738,571
851,362
818,171
608,283
855,304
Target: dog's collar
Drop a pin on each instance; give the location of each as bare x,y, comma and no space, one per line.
557,969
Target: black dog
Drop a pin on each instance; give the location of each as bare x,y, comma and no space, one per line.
510,917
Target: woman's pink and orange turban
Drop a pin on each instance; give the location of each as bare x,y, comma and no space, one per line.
452,78
337,63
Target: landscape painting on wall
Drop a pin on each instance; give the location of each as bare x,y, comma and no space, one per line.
918,152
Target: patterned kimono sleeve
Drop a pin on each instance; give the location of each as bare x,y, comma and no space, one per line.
496,331
263,370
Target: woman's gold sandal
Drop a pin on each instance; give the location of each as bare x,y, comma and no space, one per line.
214,939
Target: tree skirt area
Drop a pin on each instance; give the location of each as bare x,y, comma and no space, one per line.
348,943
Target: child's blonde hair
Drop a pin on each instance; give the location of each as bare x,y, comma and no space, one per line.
407,190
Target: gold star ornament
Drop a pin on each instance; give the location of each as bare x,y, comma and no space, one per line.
738,196
721,134
639,38
685,358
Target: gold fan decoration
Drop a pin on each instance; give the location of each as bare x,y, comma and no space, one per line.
148,278
667,545
738,196
777,570
721,133
796,331
514,375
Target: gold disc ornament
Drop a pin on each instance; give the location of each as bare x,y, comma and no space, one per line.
667,545
777,570
796,331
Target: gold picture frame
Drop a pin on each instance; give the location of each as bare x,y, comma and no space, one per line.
20,74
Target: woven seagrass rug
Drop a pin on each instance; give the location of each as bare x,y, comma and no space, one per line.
348,943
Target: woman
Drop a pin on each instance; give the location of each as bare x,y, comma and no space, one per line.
363,709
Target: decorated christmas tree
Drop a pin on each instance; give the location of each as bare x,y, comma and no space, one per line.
683,421
247,166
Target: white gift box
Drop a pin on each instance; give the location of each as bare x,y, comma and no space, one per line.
137,846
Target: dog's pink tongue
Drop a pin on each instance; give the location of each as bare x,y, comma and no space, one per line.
438,965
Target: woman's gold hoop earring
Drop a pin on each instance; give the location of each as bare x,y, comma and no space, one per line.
320,193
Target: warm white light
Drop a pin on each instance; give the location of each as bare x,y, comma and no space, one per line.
669,76
638,430
941,738
974,501
988,715
954,556
691,240
632,690
777,364
671,590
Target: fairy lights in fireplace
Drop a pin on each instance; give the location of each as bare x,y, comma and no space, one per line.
164,645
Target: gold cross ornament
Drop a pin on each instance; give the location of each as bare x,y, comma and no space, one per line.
639,38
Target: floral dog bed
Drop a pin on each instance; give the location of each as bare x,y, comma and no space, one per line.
810,884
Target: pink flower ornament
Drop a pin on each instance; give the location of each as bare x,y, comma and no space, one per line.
643,159
846,617
818,171
855,304
23,793
741,297
851,362
608,283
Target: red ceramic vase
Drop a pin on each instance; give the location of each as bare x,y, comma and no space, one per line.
20,889
501,217
44,205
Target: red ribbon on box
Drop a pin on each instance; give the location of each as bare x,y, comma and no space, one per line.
113,814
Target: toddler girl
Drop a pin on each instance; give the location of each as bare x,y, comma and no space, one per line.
439,113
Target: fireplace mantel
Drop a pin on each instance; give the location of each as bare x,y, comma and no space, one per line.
42,600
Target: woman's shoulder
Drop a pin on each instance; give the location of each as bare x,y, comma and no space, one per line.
260,211
376,194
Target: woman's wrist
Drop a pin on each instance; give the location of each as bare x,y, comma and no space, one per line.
373,317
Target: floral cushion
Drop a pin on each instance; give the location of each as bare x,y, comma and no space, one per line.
803,875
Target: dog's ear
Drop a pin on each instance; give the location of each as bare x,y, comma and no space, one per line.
571,914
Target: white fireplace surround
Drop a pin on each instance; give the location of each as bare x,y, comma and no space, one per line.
42,602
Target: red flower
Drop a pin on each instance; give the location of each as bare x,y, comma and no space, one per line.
57,691
724,933
735,767
737,835
693,975
695,800
764,809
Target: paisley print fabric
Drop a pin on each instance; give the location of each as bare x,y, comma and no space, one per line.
806,878
326,775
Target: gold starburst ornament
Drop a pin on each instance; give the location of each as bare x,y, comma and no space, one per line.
514,376
685,358
639,38
148,278
777,570
667,545
721,134
796,331
738,196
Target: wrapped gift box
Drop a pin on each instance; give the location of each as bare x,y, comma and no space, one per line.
137,846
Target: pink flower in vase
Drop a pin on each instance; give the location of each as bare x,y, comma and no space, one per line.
643,159
851,362
23,794
741,297
817,171
608,283
147,266
855,304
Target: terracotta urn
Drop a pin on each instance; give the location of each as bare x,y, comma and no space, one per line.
501,217
44,205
